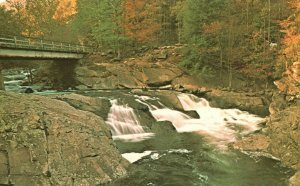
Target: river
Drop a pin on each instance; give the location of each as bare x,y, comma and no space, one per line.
187,147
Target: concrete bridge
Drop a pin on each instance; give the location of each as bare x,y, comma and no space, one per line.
63,55
28,48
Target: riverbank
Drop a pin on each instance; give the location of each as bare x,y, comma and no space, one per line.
151,71
48,142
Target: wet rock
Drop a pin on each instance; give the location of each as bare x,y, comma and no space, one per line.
164,127
47,142
251,103
27,90
256,142
168,98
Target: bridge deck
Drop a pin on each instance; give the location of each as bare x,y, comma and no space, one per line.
13,47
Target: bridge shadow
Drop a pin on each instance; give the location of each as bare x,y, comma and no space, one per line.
58,74
61,73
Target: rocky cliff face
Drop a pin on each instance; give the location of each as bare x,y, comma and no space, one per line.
48,142
284,122
290,83
284,130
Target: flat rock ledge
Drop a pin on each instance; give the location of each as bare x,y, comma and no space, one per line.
48,142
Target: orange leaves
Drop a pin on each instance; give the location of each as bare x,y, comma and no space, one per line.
140,19
65,9
291,28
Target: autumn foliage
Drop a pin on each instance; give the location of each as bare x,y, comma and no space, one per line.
65,9
291,28
140,19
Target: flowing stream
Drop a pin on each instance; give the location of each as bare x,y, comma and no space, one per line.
124,123
195,151
189,147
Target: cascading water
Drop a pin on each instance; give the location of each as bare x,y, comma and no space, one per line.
171,158
124,123
220,126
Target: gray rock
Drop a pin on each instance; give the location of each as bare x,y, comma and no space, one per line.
48,142
243,101
81,87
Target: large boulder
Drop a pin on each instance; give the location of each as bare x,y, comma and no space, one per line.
95,105
48,142
161,76
252,103
108,76
128,75
168,98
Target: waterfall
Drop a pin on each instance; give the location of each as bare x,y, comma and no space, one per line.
124,123
221,117
220,126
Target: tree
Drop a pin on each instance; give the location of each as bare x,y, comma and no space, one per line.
140,20
65,10
8,22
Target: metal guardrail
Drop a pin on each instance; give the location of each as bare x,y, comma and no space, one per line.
42,45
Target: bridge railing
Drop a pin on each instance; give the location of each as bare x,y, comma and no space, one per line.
35,44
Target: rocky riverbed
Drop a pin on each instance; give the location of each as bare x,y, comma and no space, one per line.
41,133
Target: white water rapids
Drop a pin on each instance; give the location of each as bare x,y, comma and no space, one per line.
124,123
220,126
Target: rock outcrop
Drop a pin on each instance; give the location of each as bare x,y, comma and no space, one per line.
284,122
284,130
48,142
295,180
95,105
131,75
290,83
251,102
